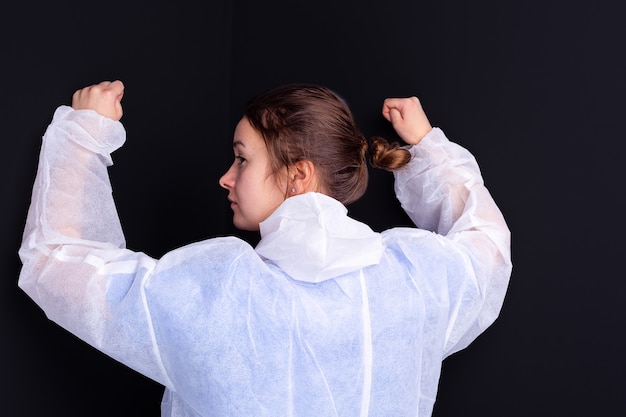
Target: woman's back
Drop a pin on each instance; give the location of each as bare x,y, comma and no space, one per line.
323,318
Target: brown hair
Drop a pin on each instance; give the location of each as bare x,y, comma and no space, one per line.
310,122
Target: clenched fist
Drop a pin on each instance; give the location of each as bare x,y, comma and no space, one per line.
105,98
407,118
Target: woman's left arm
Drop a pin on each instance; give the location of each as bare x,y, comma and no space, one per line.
74,262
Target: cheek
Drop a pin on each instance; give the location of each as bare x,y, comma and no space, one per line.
275,191
268,196
246,186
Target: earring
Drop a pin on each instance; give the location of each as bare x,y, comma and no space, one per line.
293,190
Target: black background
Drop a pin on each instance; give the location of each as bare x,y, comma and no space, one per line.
534,89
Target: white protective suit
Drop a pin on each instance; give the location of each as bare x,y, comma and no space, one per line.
324,317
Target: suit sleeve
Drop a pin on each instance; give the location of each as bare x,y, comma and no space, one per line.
442,191
74,262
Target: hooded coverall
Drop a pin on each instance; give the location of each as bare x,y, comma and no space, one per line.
325,317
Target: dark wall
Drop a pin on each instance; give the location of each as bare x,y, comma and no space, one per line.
534,89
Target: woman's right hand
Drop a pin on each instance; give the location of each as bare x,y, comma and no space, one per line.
407,118
105,98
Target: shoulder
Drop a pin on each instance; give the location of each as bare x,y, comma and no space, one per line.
204,274
421,247
212,256
402,236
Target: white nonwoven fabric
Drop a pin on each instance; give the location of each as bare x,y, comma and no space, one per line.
324,318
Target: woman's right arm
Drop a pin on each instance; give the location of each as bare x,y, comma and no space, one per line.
442,190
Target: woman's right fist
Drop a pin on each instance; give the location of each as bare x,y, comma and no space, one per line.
407,118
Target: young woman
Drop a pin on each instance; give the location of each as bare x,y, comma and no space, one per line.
324,317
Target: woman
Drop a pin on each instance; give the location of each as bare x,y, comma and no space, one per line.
324,317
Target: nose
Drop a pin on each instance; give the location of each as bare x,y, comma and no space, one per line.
227,180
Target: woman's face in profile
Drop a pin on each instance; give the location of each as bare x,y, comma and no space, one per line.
253,190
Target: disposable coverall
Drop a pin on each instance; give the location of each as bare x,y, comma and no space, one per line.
325,317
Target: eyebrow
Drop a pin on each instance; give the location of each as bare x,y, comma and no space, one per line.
238,143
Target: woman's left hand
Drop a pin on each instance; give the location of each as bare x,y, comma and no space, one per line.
105,98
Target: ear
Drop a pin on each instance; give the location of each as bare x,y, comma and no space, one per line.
303,178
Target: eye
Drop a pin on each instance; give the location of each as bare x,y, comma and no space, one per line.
240,159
